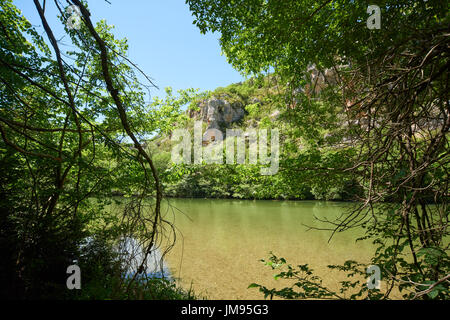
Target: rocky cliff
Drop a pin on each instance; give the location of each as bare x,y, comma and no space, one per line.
218,113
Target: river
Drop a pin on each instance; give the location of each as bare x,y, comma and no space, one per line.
220,243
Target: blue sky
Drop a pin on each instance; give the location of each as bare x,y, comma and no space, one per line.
162,40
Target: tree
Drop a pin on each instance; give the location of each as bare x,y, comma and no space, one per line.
390,87
64,120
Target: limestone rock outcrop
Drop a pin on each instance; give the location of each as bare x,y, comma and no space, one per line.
218,113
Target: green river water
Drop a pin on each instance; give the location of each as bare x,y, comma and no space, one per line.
220,242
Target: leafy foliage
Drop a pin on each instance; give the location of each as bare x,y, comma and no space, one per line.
383,95
66,119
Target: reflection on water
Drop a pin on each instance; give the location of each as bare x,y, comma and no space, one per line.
223,240
133,255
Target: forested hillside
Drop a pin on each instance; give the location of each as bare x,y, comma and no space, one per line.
317,142
341,101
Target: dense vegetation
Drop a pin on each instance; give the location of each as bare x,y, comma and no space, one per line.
264,100
63,118
392,87
363,116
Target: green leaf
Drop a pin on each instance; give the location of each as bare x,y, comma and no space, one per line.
253,285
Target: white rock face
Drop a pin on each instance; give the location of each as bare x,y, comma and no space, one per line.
219,113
